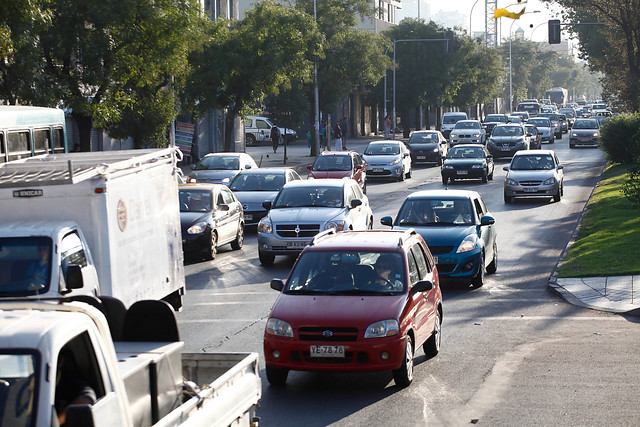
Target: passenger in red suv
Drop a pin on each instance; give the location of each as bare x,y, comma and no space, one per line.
356,301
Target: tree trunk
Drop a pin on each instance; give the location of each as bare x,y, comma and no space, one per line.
84,124
229,122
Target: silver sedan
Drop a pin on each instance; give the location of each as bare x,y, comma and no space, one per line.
534,173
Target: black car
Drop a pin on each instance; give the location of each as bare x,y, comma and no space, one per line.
507,139
427,146
467,161
491,120
210,217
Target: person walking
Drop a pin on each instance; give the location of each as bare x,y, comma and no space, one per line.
337,137
387,127
275,137
323,135
343,128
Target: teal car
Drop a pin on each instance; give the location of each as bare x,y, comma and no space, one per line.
458,228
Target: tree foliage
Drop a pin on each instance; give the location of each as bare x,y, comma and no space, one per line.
261,55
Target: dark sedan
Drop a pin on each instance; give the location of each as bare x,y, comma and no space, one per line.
491,120
506,140
427,146
468,161
210,217
584,132
255,186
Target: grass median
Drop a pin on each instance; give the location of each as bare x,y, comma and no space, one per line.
608,241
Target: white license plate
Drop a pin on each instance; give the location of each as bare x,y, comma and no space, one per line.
378,170
421,157
505,148
326,350
462,172
248,217
530,190
297,244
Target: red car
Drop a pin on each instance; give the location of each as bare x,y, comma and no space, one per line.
340,164
356,301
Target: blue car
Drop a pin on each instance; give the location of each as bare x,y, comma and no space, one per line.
458,229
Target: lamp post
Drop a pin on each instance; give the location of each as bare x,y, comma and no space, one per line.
471,14
510,68
316,100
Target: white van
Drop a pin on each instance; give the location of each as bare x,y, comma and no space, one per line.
258,128
449,121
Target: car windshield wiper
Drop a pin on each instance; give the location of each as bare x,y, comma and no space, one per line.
306,292
358,292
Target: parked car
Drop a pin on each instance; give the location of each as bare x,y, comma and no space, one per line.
544,126
356,301
507,139
388,159
467,132
458,229
468,161
535,136
534,174
491,120
210,217
221,168
584,132
258,128
304,208
427,146
449,121
255,186
340,164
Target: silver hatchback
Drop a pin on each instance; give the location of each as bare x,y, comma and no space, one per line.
534,173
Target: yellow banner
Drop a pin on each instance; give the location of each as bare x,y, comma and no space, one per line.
499,13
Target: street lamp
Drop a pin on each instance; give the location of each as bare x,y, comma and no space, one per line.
510,69
471,14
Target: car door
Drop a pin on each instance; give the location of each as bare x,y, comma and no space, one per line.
490,164
357,216
406,157
235,212
487,233
444,146
424,302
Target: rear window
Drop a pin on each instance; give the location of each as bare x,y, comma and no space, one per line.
453,118
496,118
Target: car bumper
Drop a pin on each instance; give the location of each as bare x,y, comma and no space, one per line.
455,266
196,242
455,141
499,151
384,171
272,244
431,157
360,356
531,191
463,173
584,141
254,217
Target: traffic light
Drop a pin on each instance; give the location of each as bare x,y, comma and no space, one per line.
554,31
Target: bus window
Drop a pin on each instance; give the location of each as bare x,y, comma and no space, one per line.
41,138
58,140
18,145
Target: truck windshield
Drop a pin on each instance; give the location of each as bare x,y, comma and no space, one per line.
25,266
18,385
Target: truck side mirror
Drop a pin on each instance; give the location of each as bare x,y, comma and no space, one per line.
79,416
74,279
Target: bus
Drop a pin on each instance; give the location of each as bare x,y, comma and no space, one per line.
558,95
31,131
533,108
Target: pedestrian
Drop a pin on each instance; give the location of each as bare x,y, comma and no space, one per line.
343,128
323,135
337,137
387,127
309,137
275,137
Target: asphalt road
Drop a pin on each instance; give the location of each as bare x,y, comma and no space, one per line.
512,353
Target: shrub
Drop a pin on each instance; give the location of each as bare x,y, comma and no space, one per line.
620,138
631,188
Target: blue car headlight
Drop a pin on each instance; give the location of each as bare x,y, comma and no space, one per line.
468,244
198,228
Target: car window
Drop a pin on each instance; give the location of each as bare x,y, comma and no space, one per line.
219,163
533,162
332,163
227,196
466,152
480,209
467,125
414,274
358,192
258,182
421,261
383,149
423,138
261,124
72,253
192,200
295,197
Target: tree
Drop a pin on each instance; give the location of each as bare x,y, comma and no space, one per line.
262,54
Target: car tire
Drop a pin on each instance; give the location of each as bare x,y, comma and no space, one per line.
251,139
431,347
572,145
445,180
239,241
493,265
508,199
439,161
485,178
409,173
276,376
364,187
557,197
401,177
266,259
212,250
403,376
478,281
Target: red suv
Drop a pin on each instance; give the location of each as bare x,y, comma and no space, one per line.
356,301
340,164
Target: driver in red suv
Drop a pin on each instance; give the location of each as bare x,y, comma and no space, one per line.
356,301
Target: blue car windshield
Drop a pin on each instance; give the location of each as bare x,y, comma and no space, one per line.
435,212
382,150
219,163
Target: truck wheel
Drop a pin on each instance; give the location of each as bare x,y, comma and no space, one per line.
277,376
213,246
251,139
404,374
237,244
432,346
266,259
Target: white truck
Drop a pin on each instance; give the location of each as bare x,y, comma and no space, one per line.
48,345
100,223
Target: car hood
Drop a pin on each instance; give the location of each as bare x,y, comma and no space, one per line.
305,215
459,162
520,175
441,235
337,310
187,219
331,174
465,131
422,146
215,175
381,159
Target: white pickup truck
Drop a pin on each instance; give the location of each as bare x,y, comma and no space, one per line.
138,378
100,223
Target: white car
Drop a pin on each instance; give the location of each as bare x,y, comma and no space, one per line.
304,208
387,159
258,128
468,132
